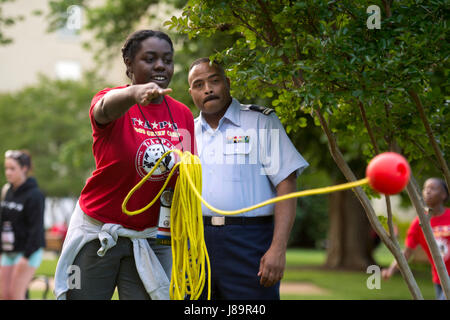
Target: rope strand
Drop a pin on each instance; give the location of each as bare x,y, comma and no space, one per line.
191,262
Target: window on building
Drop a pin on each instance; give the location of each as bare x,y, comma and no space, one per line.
68,70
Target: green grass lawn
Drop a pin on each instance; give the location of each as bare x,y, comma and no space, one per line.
306,266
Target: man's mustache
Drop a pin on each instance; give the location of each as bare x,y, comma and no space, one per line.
209,98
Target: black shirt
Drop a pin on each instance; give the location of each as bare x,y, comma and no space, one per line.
24,210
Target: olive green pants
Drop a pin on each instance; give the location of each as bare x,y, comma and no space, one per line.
99,276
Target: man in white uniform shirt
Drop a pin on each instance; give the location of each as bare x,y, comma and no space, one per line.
246,158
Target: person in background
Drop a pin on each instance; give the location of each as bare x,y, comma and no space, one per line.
435,194
22,226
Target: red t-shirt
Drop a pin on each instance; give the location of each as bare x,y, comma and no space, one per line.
441,230
125,150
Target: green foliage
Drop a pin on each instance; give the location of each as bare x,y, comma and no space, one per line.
51,120
329,61
311,222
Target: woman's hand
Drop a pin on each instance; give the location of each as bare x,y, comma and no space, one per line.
146,93
116,102
387,273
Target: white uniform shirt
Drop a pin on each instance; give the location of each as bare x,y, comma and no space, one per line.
244,159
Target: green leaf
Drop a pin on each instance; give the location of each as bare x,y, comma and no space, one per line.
357,93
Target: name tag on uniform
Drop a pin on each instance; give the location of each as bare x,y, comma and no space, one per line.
237,145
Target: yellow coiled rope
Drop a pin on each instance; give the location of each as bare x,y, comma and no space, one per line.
189,254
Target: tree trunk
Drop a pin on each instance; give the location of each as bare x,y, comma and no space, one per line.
349,241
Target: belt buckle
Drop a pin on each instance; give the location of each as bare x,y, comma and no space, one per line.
218,221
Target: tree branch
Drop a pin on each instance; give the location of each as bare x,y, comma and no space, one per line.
273,34
437,151
247,24
299,56
390,217
272,85
376,225
368,127
431,158
387,8
377,151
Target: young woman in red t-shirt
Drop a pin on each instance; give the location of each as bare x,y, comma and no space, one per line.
133,125
435,194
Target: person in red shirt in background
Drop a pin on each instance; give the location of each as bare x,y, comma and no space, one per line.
133,126
435,194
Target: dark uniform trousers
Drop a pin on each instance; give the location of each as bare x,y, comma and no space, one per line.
235,252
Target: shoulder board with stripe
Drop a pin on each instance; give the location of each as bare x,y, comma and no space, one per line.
264,110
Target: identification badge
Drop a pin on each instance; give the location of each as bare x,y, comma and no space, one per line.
163,233
7,236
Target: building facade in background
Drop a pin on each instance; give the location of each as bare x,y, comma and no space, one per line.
58,55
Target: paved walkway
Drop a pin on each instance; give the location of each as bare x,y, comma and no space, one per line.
301,288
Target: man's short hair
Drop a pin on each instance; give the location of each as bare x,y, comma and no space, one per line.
443,186
211,63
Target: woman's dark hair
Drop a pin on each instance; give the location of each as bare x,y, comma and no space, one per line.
23,157
133,43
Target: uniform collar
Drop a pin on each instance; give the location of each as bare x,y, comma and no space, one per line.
232,115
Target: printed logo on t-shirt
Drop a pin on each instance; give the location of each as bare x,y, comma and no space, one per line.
442,236
443,247
11,205
441,231
149,152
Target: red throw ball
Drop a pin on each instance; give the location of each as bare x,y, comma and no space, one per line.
388,173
